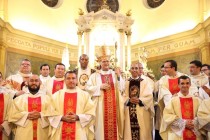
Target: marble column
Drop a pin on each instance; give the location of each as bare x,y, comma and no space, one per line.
128,33
121,57
4,10
87,41
79,33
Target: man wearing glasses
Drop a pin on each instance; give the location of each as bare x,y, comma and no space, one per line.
204,91
18,82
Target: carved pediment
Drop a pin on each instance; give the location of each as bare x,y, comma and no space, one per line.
104,14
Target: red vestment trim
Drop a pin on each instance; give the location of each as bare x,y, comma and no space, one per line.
187,114
34,104
173,86
57,85
70,104
1,111
110,117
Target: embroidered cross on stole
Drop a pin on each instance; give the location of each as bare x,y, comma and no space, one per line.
1,111
57,85
173,86
110,112
34,104
134,91
187,113
70,104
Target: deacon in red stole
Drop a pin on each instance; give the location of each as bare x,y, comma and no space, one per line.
76,112
105,87
5,102
139,108
180,115
56,83
29,113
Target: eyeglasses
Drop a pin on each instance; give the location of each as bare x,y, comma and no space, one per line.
167,67
25,65
105,61
204,70
134,68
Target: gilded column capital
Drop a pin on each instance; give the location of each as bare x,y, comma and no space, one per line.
128,33
120,30
87,30
80,33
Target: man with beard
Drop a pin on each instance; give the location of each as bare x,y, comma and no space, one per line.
84,72
105,87
138,107
29,111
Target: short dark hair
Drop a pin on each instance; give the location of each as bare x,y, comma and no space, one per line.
206,65
70,72
162,66
83,55
59,64
44,65
183,77
173,64
1,75
197,63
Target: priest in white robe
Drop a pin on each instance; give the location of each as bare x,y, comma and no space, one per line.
180,115
106,87
44,74
204,117
76,112
18,82
83,72
57,81
29,113
139,109
5,103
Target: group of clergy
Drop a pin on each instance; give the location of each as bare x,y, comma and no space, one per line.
88,104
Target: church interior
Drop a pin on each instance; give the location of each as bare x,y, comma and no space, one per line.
151,31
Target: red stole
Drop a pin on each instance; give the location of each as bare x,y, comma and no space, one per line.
173,86
70,104
187,113
1,111
34,104
57,85
110,117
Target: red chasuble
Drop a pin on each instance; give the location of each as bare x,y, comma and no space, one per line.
187,113
1,111
173,86
110,117
57,85
70,104
34,104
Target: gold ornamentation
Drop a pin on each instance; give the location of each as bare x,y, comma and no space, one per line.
69,130
58,87
128,13
34,105
80,12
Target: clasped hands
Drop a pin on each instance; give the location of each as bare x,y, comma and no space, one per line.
33,115
105,86
134,100
190,125
70,117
